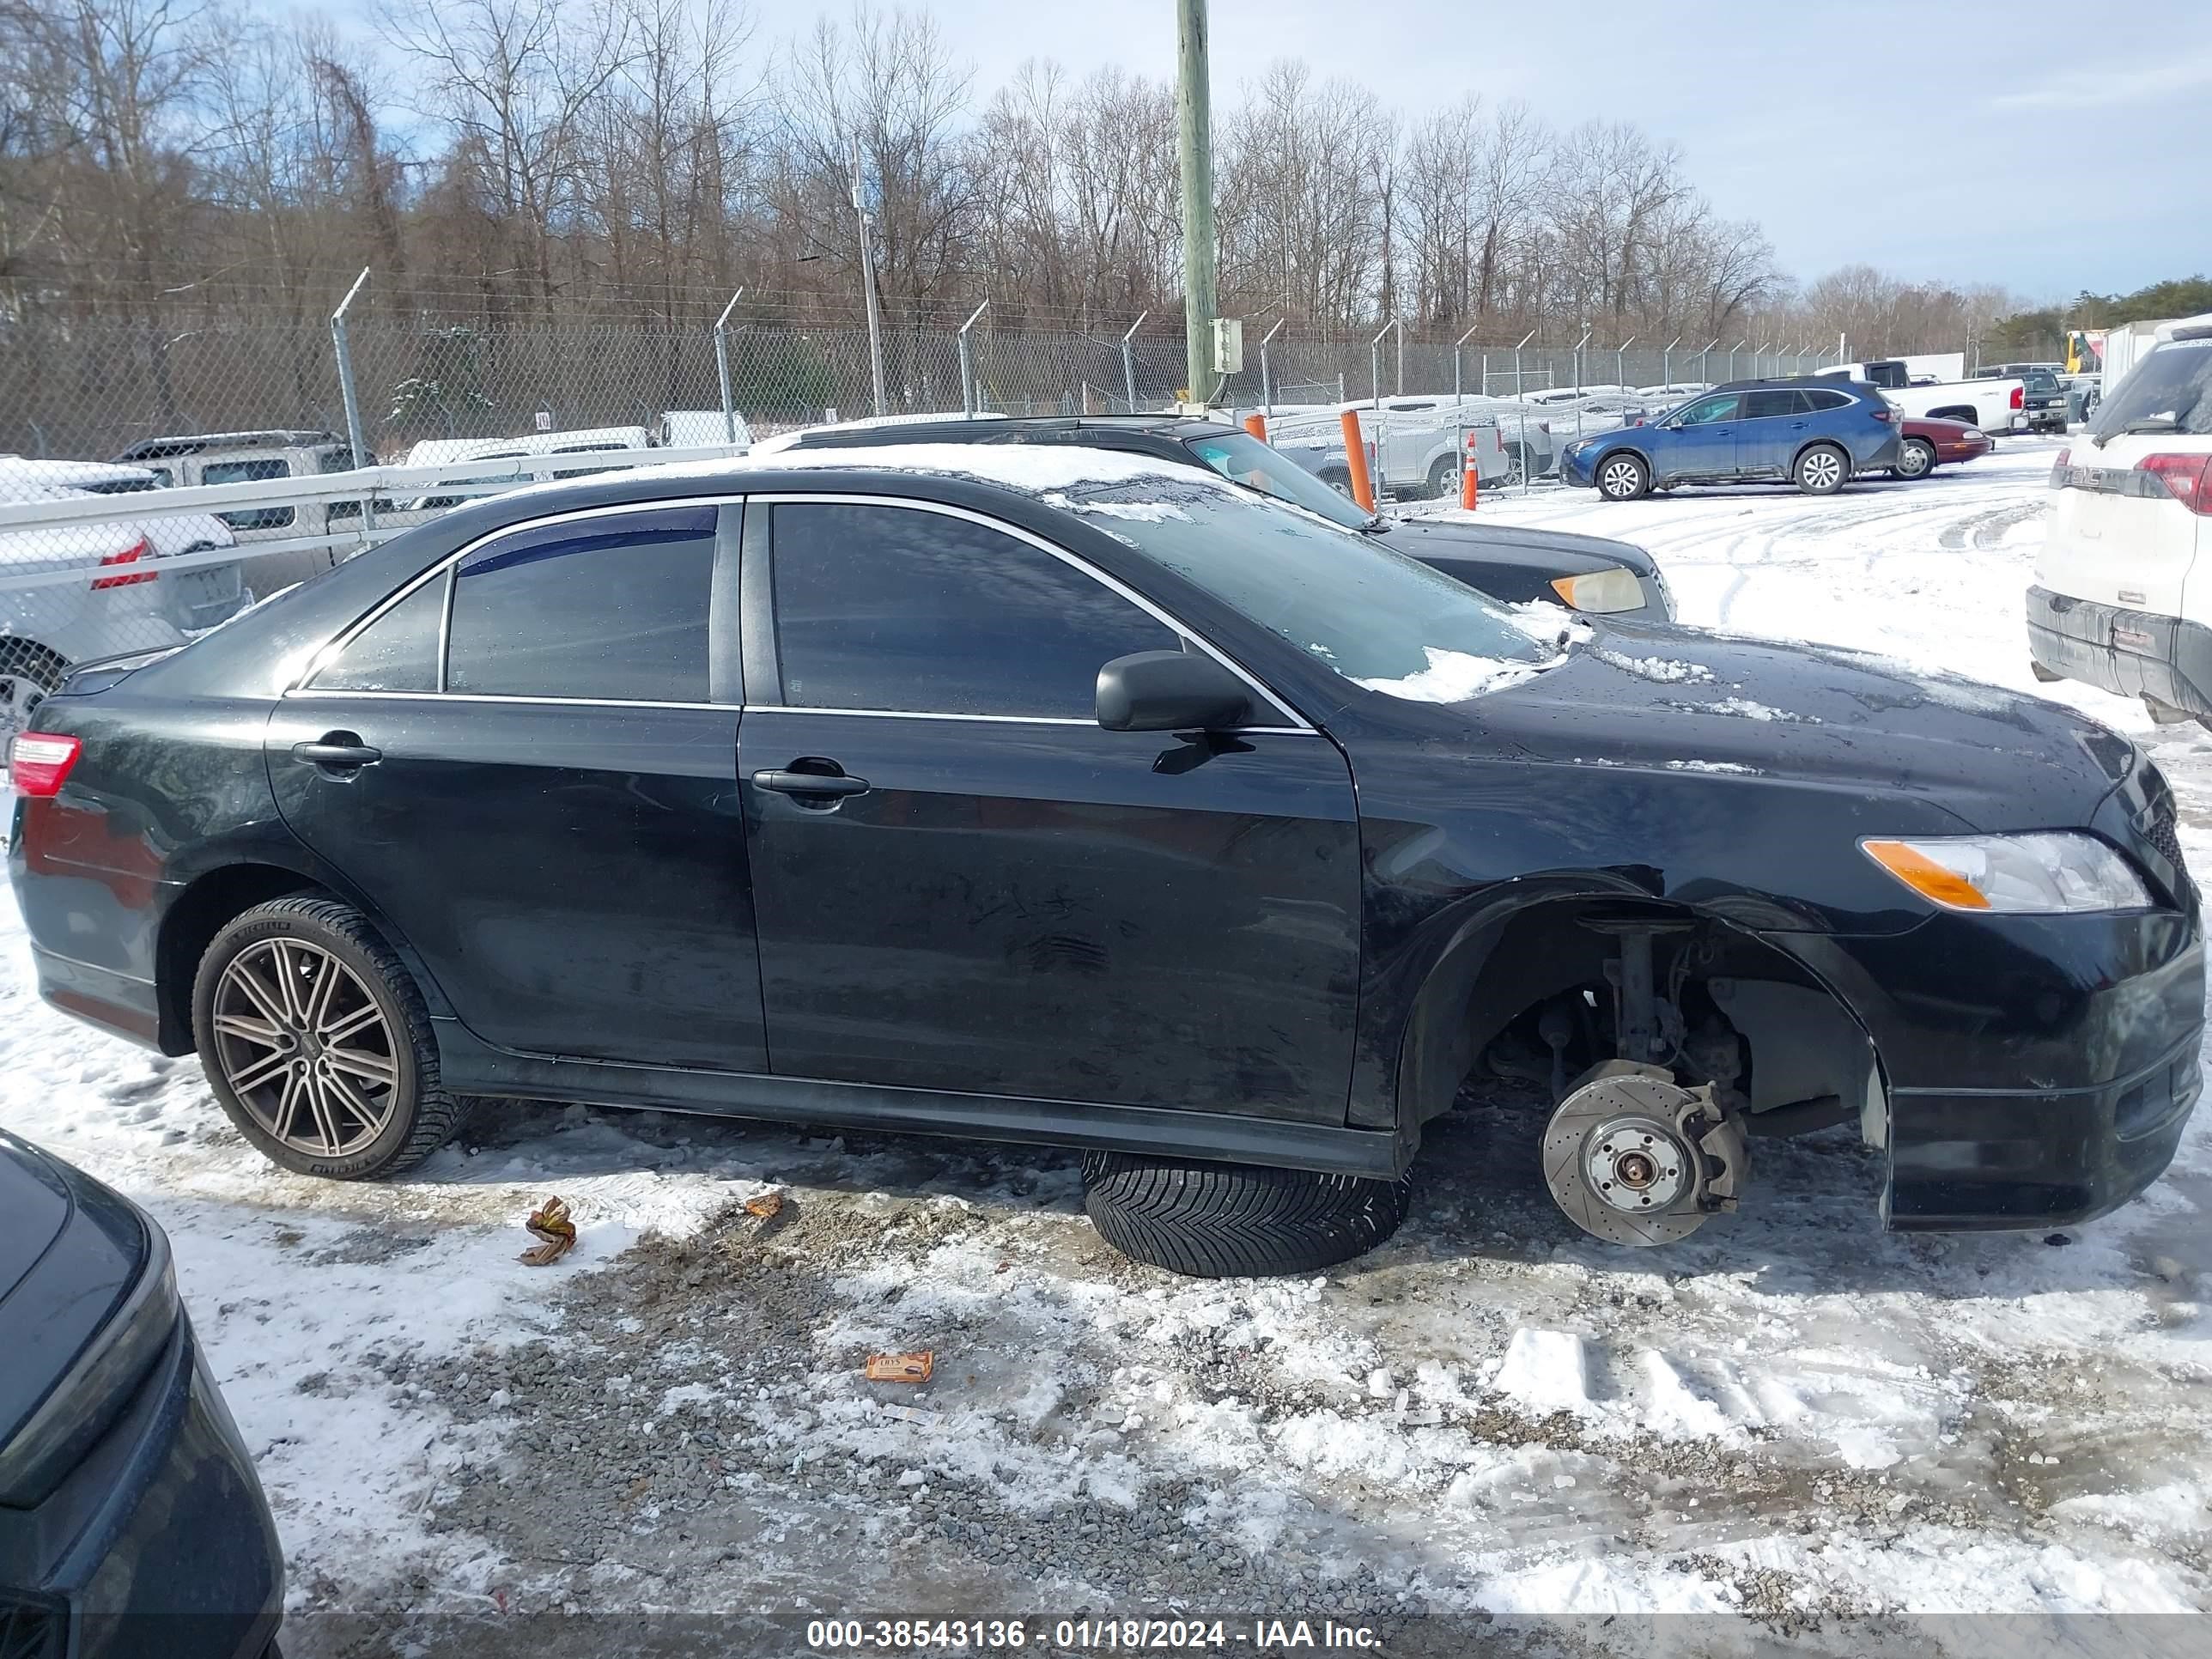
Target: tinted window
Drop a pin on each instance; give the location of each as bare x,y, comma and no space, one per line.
611,607
1708,409
398,652
2166,393
893,608
1817,401
258,517
1765,405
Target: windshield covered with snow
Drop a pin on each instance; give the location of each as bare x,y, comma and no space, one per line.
2167,393
1381,620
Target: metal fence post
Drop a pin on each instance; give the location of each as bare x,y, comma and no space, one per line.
967,363
1525,338
1620,358
1457,396
1705,365
1398,325
344,351
1579,344
1267,375
1667,362
1375,368
722,368
1733,350
1129,359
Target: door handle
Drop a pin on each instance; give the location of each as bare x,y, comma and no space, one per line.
336,753
786,782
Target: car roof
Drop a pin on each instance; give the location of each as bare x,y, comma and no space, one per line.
1019,428
147,449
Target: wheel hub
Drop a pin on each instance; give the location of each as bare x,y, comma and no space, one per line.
304,1047
1635,1159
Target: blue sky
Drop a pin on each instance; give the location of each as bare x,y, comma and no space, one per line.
2051,146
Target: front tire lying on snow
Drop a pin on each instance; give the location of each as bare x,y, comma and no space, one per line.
1235,1220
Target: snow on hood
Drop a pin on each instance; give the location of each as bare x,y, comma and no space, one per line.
1455,676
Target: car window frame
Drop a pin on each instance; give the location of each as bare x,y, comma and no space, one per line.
723,602
763,666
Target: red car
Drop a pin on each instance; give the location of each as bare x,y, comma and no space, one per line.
1926,445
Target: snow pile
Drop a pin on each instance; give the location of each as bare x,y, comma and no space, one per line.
1137,512
1662,670
1545,1371
1711,766
1455,676
1036,469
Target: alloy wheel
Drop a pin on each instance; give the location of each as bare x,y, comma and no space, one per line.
1823,471
1620,479
306,1047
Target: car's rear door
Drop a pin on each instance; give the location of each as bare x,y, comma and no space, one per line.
1774,424
988,892
527,763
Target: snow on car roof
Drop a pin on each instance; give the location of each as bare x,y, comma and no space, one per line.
1033,469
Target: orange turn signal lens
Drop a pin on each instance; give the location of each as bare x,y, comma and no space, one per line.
1925,876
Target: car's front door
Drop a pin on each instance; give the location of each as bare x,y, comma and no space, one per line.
966,883
1700,442
548,812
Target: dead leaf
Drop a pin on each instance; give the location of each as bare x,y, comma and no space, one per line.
901,1367
1002,1266
550,1224
765,1205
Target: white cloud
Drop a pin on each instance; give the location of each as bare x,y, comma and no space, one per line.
2105,87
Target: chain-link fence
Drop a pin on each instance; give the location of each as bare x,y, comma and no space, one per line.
180,402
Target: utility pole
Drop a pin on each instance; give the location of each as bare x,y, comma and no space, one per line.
1194,151
868,283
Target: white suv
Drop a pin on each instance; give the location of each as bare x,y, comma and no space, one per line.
2123,592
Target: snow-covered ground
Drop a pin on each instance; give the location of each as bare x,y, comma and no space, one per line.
1791,1416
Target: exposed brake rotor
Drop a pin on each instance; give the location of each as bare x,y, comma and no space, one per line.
1635,1159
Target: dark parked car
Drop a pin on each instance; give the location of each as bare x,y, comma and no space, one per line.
131,1520
1507,561
1111,806
1925,445
1815,433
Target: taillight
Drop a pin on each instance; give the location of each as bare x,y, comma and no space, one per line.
2061,473
139,550
38,763
2019,397
2186,478
1884,415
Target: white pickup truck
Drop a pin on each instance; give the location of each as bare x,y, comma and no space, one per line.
1994,406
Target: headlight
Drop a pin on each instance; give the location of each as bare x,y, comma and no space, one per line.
1613,588
2013,875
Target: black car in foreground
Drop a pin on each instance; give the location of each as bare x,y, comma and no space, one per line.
1079,798
1513,562
131,1520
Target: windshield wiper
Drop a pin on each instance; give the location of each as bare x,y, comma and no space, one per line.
2148,424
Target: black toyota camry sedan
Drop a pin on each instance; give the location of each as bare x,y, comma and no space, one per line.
1076,797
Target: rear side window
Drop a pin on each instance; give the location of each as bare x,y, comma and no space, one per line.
900,610
2170,391
258,517
1765,405
613,607
398,652
1817,401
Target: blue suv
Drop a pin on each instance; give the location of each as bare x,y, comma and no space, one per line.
1815,433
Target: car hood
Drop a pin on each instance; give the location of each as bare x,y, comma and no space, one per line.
1685,701
1566,553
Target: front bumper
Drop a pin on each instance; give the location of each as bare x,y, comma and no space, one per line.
2038,1069
2133,653
1579,470
161,1541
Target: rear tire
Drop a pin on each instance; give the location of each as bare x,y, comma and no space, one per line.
1235,1220
1623,478
1915,458
1821,470
1443,478
325,1060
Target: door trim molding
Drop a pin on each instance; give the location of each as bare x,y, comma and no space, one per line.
473,1065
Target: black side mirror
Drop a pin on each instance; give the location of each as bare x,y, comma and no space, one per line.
1170,692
